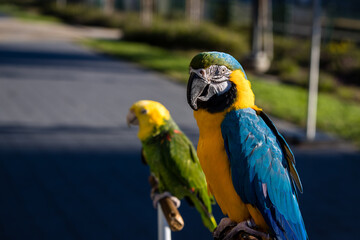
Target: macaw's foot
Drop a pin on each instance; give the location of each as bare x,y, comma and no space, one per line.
156,197
224,226
229,230
247,227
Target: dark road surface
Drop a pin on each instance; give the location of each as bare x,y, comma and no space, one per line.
70,168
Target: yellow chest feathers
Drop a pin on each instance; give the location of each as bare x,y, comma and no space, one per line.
215,163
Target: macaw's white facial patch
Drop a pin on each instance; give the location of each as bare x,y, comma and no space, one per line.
216,73
214,89
222,87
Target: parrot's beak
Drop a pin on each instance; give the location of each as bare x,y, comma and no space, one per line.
196,88
131,119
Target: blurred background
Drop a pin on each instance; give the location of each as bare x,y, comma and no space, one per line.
70,168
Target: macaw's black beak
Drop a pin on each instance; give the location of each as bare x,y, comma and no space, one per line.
196,88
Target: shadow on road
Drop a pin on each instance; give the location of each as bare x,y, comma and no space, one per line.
80,195
52,191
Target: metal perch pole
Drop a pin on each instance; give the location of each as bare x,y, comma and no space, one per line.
164,232
169,218
314,71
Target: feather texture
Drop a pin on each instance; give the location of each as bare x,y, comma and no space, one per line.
262,169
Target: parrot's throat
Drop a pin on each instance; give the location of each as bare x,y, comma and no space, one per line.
218,103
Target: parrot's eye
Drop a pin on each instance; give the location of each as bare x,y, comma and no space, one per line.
219,73
221,70
143,111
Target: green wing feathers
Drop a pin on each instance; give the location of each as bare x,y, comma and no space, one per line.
173,159
205,212
183,152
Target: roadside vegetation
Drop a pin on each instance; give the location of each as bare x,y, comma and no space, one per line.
288,102
32,14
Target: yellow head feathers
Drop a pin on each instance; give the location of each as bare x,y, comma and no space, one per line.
149,115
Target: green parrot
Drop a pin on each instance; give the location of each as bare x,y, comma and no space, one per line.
171,158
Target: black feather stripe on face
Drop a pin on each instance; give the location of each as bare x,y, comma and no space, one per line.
218,103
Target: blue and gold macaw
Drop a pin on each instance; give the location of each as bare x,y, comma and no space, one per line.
249,167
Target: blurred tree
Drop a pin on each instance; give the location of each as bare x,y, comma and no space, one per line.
128,5
162,7
60,3
194,10
108,6
147,12
262,37
222,13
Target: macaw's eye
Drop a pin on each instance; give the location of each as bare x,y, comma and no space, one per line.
143,111
220,70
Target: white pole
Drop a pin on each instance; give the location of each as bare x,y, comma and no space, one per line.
164,232
314,71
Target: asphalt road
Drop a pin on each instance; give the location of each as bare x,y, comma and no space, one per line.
70,167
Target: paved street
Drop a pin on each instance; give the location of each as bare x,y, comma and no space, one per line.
70,167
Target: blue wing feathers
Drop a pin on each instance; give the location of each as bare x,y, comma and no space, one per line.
289,156
259,155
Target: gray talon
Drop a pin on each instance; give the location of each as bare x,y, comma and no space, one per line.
224,223
244,226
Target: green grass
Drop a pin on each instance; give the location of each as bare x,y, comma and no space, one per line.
284,101
26,15
290,103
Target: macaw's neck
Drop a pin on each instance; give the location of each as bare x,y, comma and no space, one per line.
207,121
245,97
